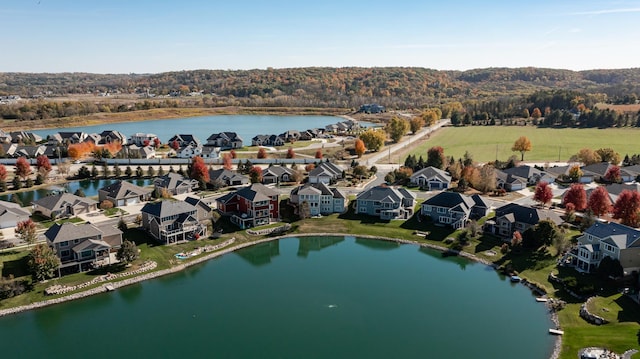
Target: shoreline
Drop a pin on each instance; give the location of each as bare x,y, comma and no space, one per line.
137,279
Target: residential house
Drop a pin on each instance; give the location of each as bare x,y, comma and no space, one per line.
11,213
531,174
143,139
612,240
5,137
185,140
320,198
24,137
210,152
225,140
514,217
431,178
228,178
67,138
203,209
171,222
189,151
260,140
454,209
291,135
509,182
386,202
145,152
29,151
81,246
123,193
8,149
599,170
175,183
371,108
110,136
93,138
562,172
251,206
277,174
325,172
64,204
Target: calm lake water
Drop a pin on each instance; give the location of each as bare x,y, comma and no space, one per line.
247,126
321,297
90,188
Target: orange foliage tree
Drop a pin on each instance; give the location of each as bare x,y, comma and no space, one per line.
262,153
199,171
360,147
319,153
227,163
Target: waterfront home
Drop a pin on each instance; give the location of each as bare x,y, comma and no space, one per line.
227,177
251,206
320,198
210,152
67,138
146,152
454,209
24,137
260,140
184,140
171,222
290,136
4,137
277,174
612,240
431,178
203,209
93,138
175,183
29,151
11,213
189,151
143,139
64,204
81,246
225,140
531,174
123,193
325,172
110,136
514,217
386,202
509,182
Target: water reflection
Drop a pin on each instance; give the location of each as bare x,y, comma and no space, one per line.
260,254
131,294
377,244
461,262
308,244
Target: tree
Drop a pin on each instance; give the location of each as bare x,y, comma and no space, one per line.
599,201
128,171
396,128
233,154
151,172
525,113
84,172
609,155
80,193
308,168
291,153
199,171
318,154
106,204
431,116
536,114
613,174
627,208
487,179
117,171
43,262
522,145
26,231
575,173
436,158
543,193
175,145
128,252
516,239
542,234
576,196
43,165
373,139
255,174
227,162
93,173
23,169
63,167
262,152
140,172
416,124
360,148
304,210
586,156
156,143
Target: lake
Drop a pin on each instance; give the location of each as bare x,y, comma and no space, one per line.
89,187
247,126
316,297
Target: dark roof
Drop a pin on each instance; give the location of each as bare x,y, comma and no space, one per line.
69,231
319,188
524,171
621,235
431,172
449,200
197,202
56,201
256,192
124,189
529,215
167,208
327,169
599,169
384,193
277,171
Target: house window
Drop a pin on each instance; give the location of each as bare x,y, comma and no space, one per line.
64,244
427,208
442,210
64,253
87,254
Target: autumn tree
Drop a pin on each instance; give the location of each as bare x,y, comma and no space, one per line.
373,139
43,165
525,113
199,171
175,145
227,162
577,196
431,116
436,158
613,174
318,153
255,174
26,231
233,154
291,153
516,240
536,114
310,167
486,180
43,262
627,208
586,156
609,155
416,124
262,152
3,177
575,173
522,145
396,128
360,148
543,193
599,201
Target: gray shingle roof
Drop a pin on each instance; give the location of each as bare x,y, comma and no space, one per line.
58,201
167,208
124,189
69,231
621,235
528,215
431,172
384,193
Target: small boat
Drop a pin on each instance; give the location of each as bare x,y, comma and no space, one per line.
539,299
556,331
515,279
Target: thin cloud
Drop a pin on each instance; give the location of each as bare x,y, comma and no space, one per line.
608,11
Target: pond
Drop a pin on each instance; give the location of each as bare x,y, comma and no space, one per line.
315,297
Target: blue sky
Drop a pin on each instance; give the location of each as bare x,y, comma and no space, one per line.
141,36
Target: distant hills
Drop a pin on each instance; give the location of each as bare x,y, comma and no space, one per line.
333,87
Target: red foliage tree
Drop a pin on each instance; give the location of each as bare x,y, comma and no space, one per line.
3,172
233,154
543,193
577,196
319,153
255,174
23,169
227,163
569,209
309,167
43,165
146,143
290,153
199,170
627,208
613,174
262,153
599,202
175,145
156,142
436,157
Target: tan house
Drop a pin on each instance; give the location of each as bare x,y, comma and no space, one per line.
171,222
123,193
64,204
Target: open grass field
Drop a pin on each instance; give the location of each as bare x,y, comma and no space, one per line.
549,144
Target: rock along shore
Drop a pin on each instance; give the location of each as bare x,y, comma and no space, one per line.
180,267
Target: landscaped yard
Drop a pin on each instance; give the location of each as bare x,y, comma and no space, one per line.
549,144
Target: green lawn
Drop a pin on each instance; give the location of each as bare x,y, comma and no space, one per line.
483,141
